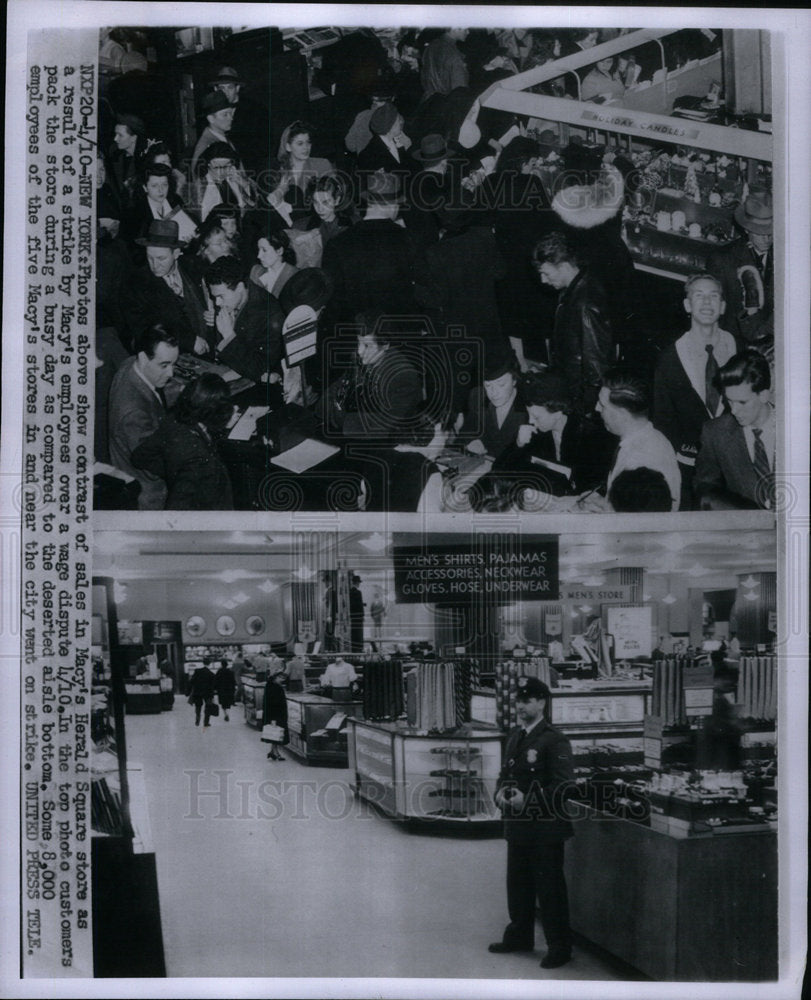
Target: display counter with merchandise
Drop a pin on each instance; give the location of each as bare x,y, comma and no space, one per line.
413,775
318,728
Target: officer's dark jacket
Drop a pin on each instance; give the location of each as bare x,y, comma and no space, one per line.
541,767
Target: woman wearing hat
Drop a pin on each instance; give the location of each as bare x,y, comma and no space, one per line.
494,411
274,713
554,451
386,150
429,188
295,173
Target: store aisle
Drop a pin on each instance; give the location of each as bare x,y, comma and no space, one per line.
275,869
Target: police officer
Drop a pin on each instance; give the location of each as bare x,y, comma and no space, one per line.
531,794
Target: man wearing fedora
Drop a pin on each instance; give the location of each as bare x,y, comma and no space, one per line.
164,292
746,272
429,188
250,130
219,112
373,264
531,794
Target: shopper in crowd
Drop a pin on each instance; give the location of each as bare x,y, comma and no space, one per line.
164,291
154,200
183,452
685,396
201,693
238,666
495,411
374,264
248,322
137,406
296,670
387,148
443,65
582,338
464,268
218,181
735,464
556,452
276,262
129,143
429,188
274,712
516,204
158,152
330,215
530,792
746,272
624,405
295,173
360,135
225,685
602,82
219,114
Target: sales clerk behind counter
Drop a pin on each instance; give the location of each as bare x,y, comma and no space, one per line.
339,674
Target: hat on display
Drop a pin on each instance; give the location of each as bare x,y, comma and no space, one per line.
433,148
756,215
531,687
212,103
383,189
161,233
227,74
383,118
132,122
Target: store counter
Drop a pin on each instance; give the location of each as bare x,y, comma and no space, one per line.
143,695
411,775
700,908
318,727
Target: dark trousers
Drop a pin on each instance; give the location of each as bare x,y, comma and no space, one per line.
536,871
198,705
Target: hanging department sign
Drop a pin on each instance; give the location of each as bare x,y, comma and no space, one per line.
501,568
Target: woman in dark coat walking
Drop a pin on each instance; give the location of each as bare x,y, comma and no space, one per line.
225,684
274,711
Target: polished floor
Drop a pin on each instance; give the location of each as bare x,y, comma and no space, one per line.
275,870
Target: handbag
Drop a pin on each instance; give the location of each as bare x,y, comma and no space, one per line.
213,708
271,733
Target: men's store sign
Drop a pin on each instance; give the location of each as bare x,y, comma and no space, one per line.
499,568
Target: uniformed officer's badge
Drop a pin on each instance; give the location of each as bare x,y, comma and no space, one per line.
532,756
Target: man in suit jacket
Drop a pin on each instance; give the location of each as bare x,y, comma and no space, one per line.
746,272
735,464
164,292
531,793
684,393
137,406
249,323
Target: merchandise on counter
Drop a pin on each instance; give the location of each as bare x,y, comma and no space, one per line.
383,689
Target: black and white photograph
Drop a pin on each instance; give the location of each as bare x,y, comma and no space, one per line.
404,531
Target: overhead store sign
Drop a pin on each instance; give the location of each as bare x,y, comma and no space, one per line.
502,568
596,595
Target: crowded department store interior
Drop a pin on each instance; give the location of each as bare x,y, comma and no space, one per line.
417,269
380,672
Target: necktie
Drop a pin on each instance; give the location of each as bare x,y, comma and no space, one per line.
172,279
162,396
763,470
711,394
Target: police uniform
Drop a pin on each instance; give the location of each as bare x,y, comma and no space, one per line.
539,764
